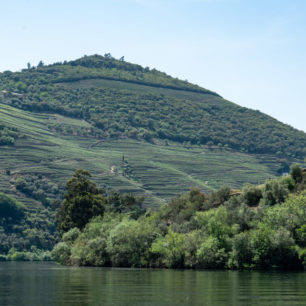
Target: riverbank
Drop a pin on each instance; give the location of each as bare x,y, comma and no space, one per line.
258,227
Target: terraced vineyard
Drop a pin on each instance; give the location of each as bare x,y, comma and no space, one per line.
157,171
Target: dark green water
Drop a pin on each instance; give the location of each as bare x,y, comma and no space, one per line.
23,283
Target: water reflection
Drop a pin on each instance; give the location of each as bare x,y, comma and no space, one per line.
50,284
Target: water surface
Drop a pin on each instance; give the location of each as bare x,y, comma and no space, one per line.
31,283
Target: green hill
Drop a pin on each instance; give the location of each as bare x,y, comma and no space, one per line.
135,129
125,100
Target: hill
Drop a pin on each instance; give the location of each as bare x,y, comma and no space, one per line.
135,129
123,99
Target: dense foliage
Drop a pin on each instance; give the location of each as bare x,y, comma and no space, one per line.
176,110
259,227
8,135
38,187
83,200
25,232
9,207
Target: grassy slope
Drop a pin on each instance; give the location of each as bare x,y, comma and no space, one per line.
158,171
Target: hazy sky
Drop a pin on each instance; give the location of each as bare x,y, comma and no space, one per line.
252,52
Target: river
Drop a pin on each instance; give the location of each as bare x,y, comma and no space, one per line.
36,283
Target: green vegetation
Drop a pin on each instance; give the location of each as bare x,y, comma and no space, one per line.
38,188
33,254
83,201
24,233
121,99
36,168
9,207
135,129
259,227
40,164
8,135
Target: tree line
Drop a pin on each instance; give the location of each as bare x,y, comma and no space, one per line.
257,227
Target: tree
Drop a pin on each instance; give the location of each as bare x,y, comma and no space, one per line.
296,173
108,56
211,254
129,242
275,191
82,201
9,207
251,195
283,168
170,250
125,203
40,64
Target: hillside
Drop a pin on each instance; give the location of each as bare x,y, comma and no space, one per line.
123,99
135,129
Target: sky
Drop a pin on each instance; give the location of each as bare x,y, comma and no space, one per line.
251,52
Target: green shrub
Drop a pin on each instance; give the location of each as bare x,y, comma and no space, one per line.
275,192
251,195
61,253
211,254
9,207
129,243
19,256
90,252
296,173
70,236
241,254
170,250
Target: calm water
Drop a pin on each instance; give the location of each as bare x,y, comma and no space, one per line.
49,284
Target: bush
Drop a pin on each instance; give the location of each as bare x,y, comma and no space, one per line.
273,247
19,256
90,252
71,236
275,192
302,256
241,254
214,223
6,140
211,254
296,173
9,207
251,195
129,243
170,250
238,213
61,253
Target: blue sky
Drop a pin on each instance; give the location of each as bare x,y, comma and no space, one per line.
251,52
